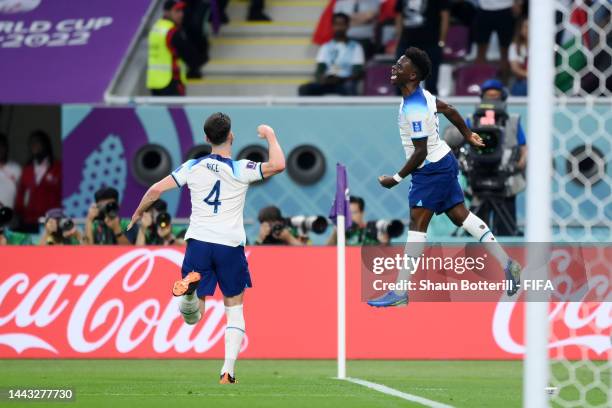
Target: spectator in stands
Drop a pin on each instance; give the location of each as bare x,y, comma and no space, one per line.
339,63
363,14
496,16
196,13
423,24
10,172
156,227
273,229
358,233
518,53
60,230
255,12
169,52
103,225
40,187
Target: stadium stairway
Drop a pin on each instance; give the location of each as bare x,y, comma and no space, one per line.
258,59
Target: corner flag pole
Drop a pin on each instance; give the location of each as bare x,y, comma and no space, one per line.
341,242
341,216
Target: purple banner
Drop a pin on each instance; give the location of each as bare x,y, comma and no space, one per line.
63,51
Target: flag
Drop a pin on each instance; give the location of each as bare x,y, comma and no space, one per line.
341,202
324,31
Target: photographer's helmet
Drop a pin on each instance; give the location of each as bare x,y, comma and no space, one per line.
493,84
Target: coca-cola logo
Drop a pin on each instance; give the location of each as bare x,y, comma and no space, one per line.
572,323
99,316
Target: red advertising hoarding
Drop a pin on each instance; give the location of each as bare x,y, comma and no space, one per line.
115,302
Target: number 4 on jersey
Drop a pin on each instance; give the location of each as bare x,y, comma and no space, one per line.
216,190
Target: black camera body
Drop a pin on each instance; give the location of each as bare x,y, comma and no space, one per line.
110,210
393,228
65,224
485,167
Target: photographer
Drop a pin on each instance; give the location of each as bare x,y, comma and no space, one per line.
273,229
60,230
496,172
7,236
360,233
156,227
103,225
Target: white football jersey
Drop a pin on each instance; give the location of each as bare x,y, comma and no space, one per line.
418,119
218,188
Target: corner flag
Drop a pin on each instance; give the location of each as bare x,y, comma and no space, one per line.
341,201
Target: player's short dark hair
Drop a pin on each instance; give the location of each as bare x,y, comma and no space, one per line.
343,16
217,128
359,201
106,193
270,213
420,60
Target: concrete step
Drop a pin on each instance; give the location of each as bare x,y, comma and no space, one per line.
262,47
281,10
260,66
217,85
275,28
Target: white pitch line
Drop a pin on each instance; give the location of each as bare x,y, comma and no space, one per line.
392,391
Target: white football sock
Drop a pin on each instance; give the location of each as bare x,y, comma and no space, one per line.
415,245
234,332
189,307
479,230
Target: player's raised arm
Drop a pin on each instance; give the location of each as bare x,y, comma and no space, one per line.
455,118
276,157
152,194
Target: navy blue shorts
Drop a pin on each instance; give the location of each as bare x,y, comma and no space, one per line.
435,186
217,263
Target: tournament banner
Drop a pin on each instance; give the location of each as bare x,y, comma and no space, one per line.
116,302
63,51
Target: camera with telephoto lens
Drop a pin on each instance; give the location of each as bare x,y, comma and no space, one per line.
483,165
307,223
393,228
163,219
110,210
6,215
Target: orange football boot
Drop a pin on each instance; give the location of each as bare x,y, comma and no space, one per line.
186,285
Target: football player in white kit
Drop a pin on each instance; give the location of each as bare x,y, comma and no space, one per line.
215,237
435,186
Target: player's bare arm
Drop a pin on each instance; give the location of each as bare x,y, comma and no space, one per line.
276,157
152,194
455,118
413,163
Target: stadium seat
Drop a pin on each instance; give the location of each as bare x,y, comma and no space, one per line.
469,77
376,82
457,43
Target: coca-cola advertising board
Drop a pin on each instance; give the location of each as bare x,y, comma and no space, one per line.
115,302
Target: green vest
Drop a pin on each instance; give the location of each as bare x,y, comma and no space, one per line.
159,67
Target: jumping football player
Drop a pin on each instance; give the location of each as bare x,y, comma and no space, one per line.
435,187
215,237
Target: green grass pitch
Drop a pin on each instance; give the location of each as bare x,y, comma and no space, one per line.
265,383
